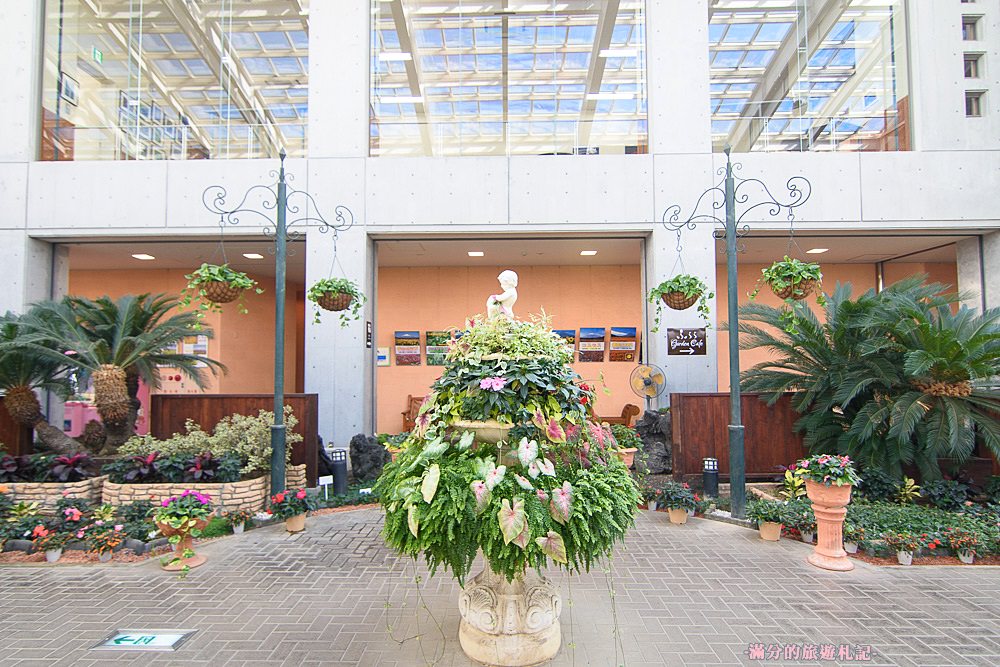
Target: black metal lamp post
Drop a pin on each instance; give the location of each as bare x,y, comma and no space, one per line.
279,199
799,190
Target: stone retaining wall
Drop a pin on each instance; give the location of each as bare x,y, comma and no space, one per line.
47,494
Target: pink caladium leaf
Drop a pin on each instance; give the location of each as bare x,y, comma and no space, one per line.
512,520
552,545
495,476
534,470
522,538
596,433
561,504
524,483
547,467
538,419
482,495
527,451
542,495
555,432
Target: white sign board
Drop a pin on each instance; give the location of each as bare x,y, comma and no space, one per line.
323,481
144,640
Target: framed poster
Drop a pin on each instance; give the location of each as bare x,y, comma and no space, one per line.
382,356
689,342
623,344
592,344
437,347
69,89
407,348
569,338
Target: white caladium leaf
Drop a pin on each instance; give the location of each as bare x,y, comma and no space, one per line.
552,545
430,484
524,483
522,539
466,440
412,521
533,470
482,495
547,467
512,520
495,476
527,451
561,504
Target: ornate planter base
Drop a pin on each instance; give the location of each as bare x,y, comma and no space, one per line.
829,504
510,624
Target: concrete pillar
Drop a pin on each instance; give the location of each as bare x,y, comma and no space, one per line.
978,262
20,71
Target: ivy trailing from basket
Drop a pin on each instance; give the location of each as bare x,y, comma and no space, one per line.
334,286
688,285
198,280
792,280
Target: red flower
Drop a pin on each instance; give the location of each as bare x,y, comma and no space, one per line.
39,531
301,494
584,400
278,498
932,546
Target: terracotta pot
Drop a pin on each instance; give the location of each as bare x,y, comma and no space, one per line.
295,524
678,516
829,504
770,531
904,557
52,555
489,431
627,455
185,544
965,556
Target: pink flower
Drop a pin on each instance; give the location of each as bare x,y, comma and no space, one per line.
485,383
118,526
98,523
499,383
301,494
79,534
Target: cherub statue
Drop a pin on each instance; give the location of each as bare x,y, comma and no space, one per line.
502,305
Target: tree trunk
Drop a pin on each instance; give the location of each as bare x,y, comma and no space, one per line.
55,440
118,434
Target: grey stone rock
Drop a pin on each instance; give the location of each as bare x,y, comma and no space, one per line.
137,546
18,545
655,430
367,457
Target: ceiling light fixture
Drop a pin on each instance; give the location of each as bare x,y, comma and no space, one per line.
817,251
618,53
588,253
476,253
394,56
253,255
143,256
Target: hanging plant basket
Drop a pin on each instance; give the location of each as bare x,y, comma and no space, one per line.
334,301
220,292
680,293
790,279
214,284
678,300
796,292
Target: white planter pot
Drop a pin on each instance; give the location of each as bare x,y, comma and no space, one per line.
851,547
651,505
238,529
904,557
52,555
966,557
105,556
690,514
807,536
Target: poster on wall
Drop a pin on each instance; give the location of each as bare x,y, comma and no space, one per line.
407,348
690,342
437,347
592,344
382,356
623,344
569,338
193,345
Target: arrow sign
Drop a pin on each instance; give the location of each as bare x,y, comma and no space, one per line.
686,341
144,640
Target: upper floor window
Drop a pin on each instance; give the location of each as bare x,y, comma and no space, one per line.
163,79
970,28
788,75
467,77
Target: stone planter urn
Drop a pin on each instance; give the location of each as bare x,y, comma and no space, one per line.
179,561
829,504
509,624
678,516
295,524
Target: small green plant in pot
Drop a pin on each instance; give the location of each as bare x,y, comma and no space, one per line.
769,516
214,284
680,293
904,544
678,499
338,295
791,279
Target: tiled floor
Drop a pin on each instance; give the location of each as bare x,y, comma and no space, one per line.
706,593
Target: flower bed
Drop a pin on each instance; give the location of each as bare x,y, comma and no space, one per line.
47,494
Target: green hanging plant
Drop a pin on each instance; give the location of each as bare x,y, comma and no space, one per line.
339,295
214,284
680,293
791,280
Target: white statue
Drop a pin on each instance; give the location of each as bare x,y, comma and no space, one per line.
502,305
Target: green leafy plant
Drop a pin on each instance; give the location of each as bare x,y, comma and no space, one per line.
102,537
792,486
907,491
195,290
992,488
827,469
760,510
788,275
963,539
903,541
183,514
676,496
237,517
946,494
46,539
337,286
292,502
799,515
877,485
854,533
688,285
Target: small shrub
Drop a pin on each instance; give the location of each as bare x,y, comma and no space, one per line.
676,496
877,485
946,494
992,489
761,511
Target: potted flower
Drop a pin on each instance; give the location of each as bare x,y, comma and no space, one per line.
629,443
338,295
214,284
829,480
50,541
651,496
237,519
854,536
678,499
680,293
963,542
102,538
180,519
769,516
802,518
790,279
904,544
292,505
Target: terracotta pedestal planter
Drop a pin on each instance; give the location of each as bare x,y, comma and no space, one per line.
178,562
678,516
770,531
295,524
829,504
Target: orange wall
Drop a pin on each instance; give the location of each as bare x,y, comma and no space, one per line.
244,343
861,276
438,298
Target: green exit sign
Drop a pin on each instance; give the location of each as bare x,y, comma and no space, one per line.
97,54
144,640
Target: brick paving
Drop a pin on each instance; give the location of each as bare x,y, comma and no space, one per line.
699,594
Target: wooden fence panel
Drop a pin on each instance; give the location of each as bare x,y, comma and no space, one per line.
17,439
700,424
168,412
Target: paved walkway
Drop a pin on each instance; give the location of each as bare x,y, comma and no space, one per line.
703,594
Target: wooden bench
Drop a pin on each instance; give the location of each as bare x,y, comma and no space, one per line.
413,404
628,412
